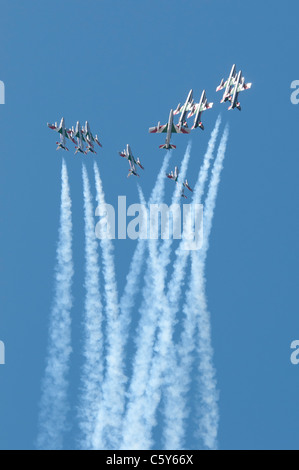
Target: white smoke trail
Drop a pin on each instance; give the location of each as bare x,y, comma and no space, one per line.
54,403
134,424
108,425
177,194
175,412
209,412
198,321
159,303
93,368
182,255
127,300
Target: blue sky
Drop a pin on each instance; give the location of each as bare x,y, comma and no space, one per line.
123,65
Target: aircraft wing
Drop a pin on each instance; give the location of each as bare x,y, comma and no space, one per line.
186,184
163,129
186,107
180,129
79,135
69,135
158,129
175,129
200,107
96,139
244,86
138,162
183,194
178,110
66,133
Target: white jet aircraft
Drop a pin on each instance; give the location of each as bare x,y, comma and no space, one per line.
127,153
240,85
78,134
64,133
169,128
228,84
198,109
132,170
184,109
230,87
90,139
175,177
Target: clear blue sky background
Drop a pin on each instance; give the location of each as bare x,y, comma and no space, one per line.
122,65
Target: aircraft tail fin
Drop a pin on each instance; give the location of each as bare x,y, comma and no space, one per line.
221,86
167,147
91,150
238,106
178,109
131,172
60,146
199,125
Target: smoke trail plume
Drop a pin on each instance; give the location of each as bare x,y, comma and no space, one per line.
182,255
134,425
152,387
209,412
197,322
93,368
108,426
54,403
174,431
127,301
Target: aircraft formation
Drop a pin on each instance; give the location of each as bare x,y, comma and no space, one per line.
85,141
79,136
232,87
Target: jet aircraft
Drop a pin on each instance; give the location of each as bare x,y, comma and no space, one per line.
78,134
174,175
169,129
198,109
90,139
233,85
240,85
128,154
64,133
184,109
